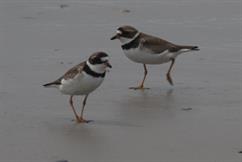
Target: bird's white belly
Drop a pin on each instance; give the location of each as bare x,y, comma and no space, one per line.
82,84
142,56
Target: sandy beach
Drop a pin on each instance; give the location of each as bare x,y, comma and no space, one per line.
199,119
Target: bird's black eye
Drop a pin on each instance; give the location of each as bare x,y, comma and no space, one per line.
126,33
98,58
97,61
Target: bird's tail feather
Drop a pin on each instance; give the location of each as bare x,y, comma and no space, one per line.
193,48
52,84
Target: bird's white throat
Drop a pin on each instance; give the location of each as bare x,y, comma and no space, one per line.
98,68
124,40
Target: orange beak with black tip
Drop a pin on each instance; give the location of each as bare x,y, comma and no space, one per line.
108,64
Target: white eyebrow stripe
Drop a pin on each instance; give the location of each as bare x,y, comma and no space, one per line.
104,58
119,32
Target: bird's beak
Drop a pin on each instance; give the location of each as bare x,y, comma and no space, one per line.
108,64
115,37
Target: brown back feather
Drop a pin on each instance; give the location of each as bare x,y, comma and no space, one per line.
159,45
71,73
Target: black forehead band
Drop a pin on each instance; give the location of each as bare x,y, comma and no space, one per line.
102,54
121,29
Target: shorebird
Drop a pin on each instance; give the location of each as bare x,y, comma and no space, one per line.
147,49
82,79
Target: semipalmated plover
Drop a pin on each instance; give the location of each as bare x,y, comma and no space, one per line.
82,79
146,49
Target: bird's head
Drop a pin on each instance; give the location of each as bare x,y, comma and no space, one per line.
99,62
125,34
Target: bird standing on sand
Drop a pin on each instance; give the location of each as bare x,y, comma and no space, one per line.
146,49
82,79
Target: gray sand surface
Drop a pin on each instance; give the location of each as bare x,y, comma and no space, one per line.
197,120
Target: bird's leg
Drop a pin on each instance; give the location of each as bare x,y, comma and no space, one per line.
168,76
82,110
141,86
71,103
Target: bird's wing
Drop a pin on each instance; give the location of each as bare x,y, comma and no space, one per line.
71,73
155,45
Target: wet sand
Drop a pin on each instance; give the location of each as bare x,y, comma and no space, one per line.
197,120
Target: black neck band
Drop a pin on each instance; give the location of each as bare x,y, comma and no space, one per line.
93,73
132,44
